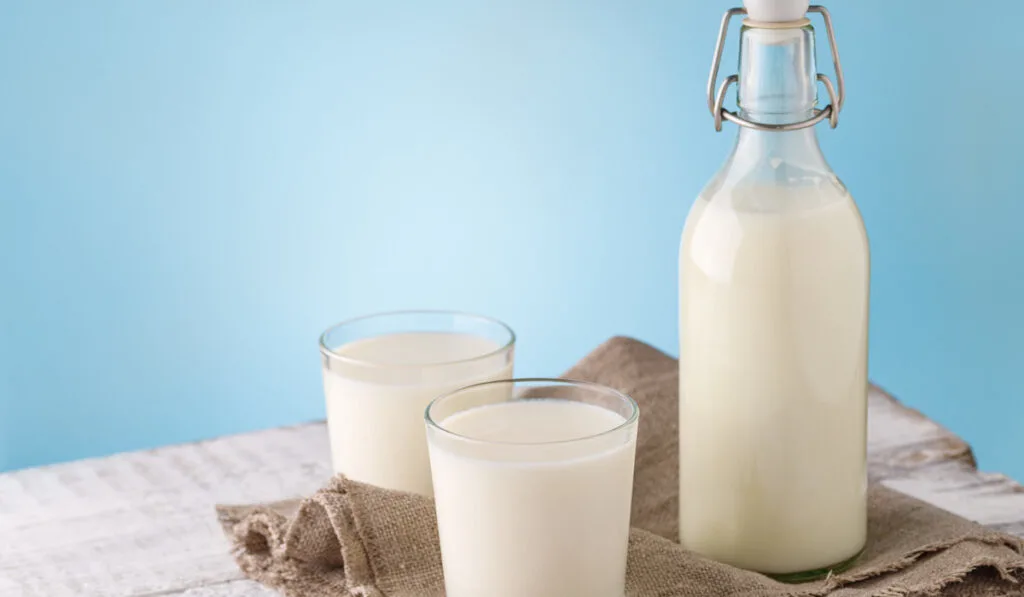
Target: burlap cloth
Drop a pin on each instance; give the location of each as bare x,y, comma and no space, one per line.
351,539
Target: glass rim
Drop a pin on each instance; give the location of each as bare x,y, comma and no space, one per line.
629,421
327,352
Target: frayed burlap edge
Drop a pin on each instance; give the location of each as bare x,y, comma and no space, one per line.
1011,572
267,549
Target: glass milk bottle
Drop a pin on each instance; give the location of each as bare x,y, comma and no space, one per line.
773,317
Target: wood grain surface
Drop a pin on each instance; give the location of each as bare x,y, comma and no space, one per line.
142,524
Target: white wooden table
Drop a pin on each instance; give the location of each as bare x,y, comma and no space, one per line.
142,524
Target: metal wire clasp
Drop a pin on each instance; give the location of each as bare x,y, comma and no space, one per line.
716,101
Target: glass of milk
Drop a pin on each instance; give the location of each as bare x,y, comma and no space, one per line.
533,480
381,371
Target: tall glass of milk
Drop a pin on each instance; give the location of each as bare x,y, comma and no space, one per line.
532,483
773,316
381,371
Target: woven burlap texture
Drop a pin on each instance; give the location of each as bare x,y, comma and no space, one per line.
356,540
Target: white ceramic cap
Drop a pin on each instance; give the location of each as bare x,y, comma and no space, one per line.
776,11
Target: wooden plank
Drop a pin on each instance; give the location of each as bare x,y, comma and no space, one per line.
989,499
238,588
901,439
910,453
142,524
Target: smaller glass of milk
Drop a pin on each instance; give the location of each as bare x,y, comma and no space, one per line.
533,480
381,371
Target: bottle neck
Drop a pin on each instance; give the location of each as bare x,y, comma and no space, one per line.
778,85
777,74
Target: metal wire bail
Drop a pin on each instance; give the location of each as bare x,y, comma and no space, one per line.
716,99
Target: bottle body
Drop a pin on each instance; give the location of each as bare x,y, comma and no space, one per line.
774,282
773,382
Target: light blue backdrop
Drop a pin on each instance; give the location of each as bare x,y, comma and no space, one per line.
191,191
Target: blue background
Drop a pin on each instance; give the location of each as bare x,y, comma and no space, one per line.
191,191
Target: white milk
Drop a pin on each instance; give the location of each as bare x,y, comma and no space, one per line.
773,370
546,521
375,413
